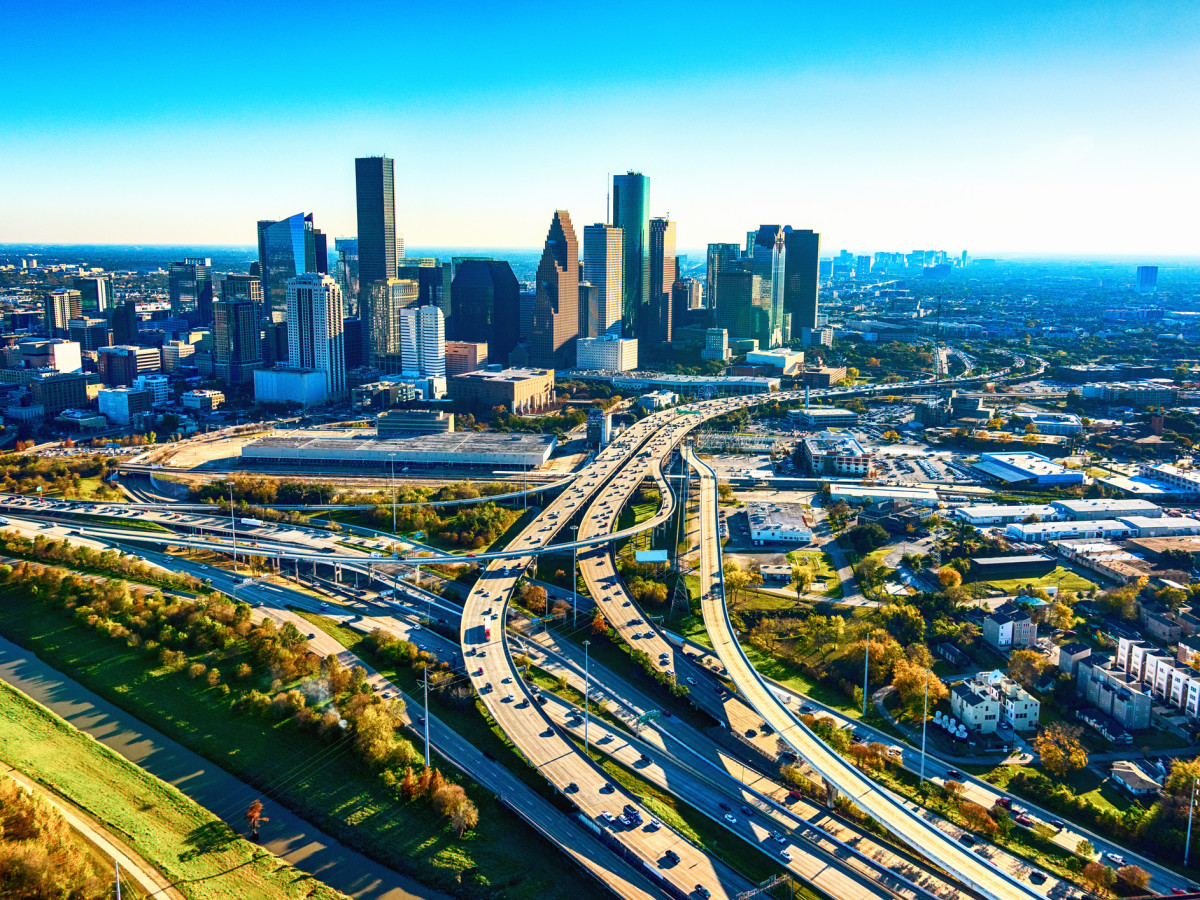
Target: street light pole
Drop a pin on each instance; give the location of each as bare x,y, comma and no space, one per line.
574,576
1187,845
586,691
233,527
866,674
392,458
924,723
427,718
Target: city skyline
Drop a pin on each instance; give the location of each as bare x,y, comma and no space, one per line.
948,129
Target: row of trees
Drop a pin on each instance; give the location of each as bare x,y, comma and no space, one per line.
108,562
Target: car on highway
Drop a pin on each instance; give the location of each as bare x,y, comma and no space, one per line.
607,816
785,855
1115,858
1024,820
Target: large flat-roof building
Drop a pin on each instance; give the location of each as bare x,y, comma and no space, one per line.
1026,468
1106,508
409,422
822,417
460,449
984,514
778,522
607,353
517,390
836,454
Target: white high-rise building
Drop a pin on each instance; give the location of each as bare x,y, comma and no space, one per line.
316,339
423,341
606,354
603,267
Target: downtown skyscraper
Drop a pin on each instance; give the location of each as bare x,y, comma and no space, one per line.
631,213
662,271
287,248
800,278
556,306
190,289
237,335
487,306
374,184
604,270
316,331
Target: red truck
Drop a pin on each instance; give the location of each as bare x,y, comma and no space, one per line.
487,632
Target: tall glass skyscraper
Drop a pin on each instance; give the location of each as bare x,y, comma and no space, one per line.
315,324
631,213
287,248
604,270
347,268
190,288
487,306
556,307
662,270
801,277
387,298
374,182
768,261
721,257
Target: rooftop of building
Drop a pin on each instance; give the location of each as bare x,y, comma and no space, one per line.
505,375
1108,504
823,412
1033,463
1021,510
451,442
839,444
775,515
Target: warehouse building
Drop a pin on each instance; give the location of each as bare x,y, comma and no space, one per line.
984,514
462,449
999,568
1105,508
1026,468
778,522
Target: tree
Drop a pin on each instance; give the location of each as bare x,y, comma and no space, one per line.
892,436
599,624
1025,667
976,816
802,577
254,817
904,622
535,599
465,817
864,538
447,799
910,681
949,578
1134,876
1085,849
737,580
1099,876
1060,750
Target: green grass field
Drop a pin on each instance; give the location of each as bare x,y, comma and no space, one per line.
502,857
825,570
185,842
1070,582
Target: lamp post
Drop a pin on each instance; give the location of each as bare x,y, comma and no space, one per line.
1187,844
866,674
924,723
392,459
586,691
233,527
574,576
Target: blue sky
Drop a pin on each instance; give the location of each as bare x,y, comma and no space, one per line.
1017,127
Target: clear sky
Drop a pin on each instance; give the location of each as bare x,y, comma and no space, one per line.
1018,126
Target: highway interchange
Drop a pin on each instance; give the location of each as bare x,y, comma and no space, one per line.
549,733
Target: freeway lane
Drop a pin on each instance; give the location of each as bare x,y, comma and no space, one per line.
922,835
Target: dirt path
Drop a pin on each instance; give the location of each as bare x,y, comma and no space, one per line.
132,865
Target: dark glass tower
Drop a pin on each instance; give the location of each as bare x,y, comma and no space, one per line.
631,213
800,277
286,250
190,288
374,183
556,307
487,306
657,324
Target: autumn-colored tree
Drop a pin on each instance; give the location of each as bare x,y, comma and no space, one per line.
1134,876
447,799
976,816
955,789
535,599
910,680
949,578
1060,749
1099,876
465,817
408,784
599,624
1025,666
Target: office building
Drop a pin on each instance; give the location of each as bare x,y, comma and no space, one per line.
89,334
862,267
836,454
599,428
1026,468
315,336
465,356
346,270
801,277
607,354
487,306
556,308
737,311
604,270
287,248
385,300
95,292
60,307
788,362
658,320
247,288
353,341
687,294
56,354
176,354
721,258
517,390
399,423
302,387
423,341
589,311
124,405
631,214
376,200
237,338
120,365
58,391
772,522
157,386
190,288
125,322
201,401
716,345
768,258
1147,279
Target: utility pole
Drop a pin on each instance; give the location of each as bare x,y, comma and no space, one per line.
924,723
426,682
575,575
866,673
117,870
392,459
233,526
586,691
1187,845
